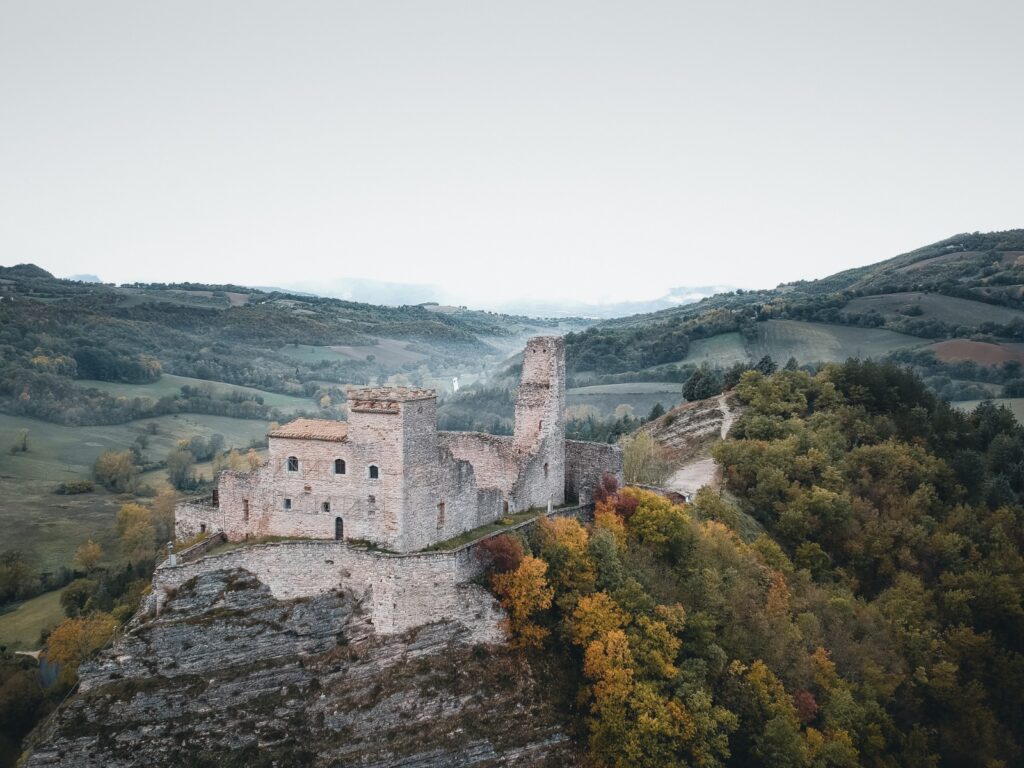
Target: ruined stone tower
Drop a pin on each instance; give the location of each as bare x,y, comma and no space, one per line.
540,423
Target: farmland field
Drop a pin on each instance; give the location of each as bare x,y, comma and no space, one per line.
934,306
169,384
20,627
719,351
823,342
980,352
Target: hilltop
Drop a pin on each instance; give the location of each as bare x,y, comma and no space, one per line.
968,288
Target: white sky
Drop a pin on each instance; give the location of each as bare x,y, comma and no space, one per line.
599,150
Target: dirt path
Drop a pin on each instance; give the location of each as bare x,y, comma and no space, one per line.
701,470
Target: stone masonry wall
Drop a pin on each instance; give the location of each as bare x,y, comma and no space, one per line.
402,591
493,457
585,465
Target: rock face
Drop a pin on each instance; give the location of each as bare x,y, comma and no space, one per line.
691,427
229,676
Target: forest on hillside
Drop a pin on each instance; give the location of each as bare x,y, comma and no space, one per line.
875,618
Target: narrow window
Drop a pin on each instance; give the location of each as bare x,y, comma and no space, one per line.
287,503
504,507
545,470
245,509
202,527
293,464
326,506
440,515
216,497
339,466
339,528
374,472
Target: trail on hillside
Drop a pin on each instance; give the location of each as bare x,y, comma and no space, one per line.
701,470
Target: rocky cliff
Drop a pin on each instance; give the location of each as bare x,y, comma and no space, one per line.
229,676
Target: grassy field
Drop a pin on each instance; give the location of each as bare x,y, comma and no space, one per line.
933,306
48,527
719,351
20,628
169,384
822,342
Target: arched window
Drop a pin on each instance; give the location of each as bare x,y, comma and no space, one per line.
339,466
339,529
545,470
293,464
374,472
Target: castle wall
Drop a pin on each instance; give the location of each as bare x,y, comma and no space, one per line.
401,591
493,457
585,465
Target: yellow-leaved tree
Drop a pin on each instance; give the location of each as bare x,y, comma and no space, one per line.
524,592
74,640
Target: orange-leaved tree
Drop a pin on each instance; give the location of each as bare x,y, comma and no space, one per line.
524,592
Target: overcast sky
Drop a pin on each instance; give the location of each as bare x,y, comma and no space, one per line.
598,150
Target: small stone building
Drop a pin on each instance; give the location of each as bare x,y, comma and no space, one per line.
388,476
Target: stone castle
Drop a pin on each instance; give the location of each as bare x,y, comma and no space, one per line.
387,476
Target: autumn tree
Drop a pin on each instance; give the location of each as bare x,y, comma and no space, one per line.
75,640
116,470
524,593
88,555
136,531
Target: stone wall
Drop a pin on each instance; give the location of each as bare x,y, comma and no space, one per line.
585,465
402,591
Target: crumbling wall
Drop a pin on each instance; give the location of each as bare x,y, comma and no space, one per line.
585,465
494,459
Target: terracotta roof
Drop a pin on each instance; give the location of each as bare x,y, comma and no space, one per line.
313,429
392,394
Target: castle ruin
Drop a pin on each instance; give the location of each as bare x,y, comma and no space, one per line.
387,476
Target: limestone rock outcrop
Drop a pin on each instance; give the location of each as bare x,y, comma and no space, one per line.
227,675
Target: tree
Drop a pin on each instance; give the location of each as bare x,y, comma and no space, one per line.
524,592
643,459
75,640
595,616
702,384
88,555
138,537
162,515
253,460
75,596
657,411
20,444
18,580
116,470
180,468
